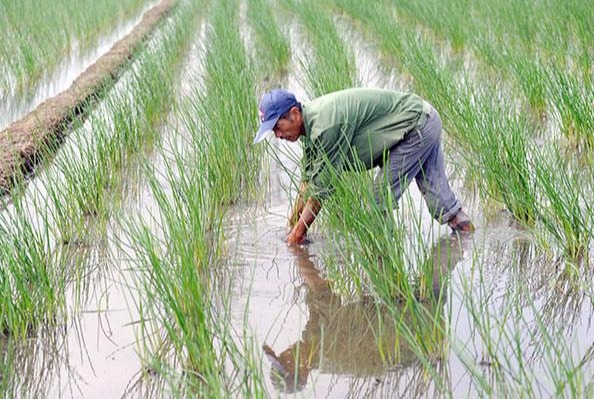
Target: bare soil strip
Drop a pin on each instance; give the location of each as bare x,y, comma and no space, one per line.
22,142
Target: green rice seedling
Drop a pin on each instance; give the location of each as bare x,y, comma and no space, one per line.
46,198
573,98
65,220
421,325
529,75
89,174
379,23
273,48
569,377
227,173
440,84
511,159
370,237
30,290
471,31
330,67
95,162
225,106
565,211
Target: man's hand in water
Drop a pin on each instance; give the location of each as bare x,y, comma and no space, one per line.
299,232
296,237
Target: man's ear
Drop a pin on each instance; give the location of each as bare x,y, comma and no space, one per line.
295,113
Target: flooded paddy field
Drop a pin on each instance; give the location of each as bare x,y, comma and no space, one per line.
15,105
24,86
147,256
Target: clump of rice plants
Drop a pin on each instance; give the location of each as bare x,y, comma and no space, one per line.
272,48
565,210
372,240
330,67
174,282
574,101
31,291
225,106
375,255
502,156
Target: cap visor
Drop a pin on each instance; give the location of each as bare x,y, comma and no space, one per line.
265,129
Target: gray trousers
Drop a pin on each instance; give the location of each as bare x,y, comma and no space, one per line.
419,156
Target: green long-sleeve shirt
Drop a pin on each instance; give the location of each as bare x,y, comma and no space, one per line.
354,129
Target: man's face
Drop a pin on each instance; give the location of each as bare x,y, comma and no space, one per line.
289,128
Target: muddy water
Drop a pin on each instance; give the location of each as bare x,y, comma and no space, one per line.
292,308
515,293
14,106
101,359
92,354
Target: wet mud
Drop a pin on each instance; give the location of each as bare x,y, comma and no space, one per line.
23,143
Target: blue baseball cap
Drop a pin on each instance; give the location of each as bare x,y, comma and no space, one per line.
272,106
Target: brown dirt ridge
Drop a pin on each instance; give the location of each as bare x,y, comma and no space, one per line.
22,142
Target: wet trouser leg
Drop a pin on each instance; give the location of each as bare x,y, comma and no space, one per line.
419,156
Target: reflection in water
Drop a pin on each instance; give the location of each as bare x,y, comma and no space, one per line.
548,299
29,368
365,338
75,356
